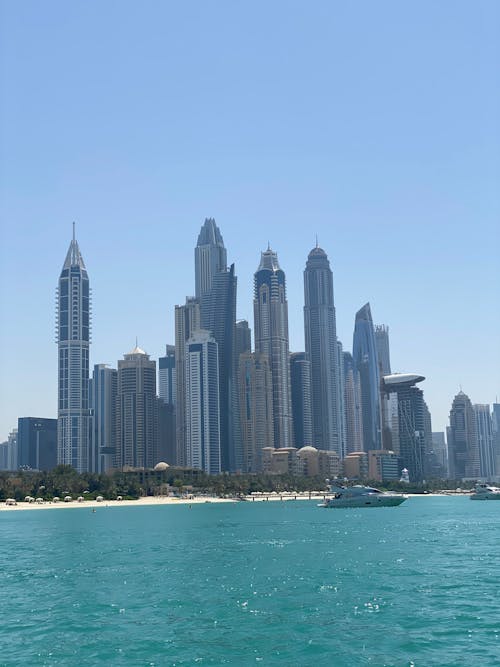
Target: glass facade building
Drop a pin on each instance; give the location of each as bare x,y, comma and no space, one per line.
73,339
271,338
364,354
300,377
322,352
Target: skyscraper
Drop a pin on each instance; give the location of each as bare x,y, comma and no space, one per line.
271,338
352,406
36,443
218,315
210,257
321,350
167,376
187,321
415,431
364,353
382,345
102,396
136,411
484,430
300,377
202,403
256,408
495,419
243,342
167,392
73,339
463,448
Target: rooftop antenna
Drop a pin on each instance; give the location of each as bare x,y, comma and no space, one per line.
317,246
136,344
73,231
268,246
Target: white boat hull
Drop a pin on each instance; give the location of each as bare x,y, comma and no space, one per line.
365,501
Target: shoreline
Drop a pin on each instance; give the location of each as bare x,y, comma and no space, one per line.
149,501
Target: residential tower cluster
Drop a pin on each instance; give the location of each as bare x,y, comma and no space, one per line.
223,405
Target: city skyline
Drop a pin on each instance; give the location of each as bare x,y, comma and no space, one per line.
386,150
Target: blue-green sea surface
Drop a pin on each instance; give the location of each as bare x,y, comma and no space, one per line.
278,583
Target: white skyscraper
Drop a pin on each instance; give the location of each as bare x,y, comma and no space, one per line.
202,403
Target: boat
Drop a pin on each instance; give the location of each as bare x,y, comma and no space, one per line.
361,496
485,492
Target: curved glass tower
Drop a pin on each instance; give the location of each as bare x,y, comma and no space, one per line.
364,352
271,338
73,339
321,350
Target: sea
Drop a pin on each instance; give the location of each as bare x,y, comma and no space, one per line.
257,584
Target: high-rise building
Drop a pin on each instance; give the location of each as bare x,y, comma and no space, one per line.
256,408
384,368
73,339
210,257
352,406
218,315
463,448
167,451
440,451
187,321
167,389
413,421
271,338
136,412
495,419
243,342
321,350
12,450
382,345
102,395
341,400
484,430
300,376
36,443
4,455
364,353
202,403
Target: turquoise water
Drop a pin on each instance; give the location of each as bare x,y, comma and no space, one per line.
252,584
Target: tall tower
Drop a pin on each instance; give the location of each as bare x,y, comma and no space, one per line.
352,406
102,399
256,408
187,320
167,376
300,380
73,339
271,338
463,447
136,411
321,350
210,257
415,431
218,315
382,345
364,353
202,403
484,430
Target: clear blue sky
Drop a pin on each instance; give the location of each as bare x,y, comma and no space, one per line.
375,125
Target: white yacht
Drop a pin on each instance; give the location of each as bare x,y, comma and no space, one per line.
485,492
361,496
